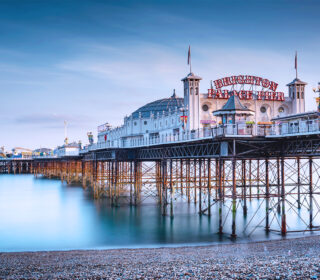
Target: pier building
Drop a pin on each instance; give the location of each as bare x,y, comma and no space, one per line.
175,117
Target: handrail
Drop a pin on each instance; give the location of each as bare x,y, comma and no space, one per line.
223,130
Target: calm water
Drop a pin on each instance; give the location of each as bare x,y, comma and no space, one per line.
43,214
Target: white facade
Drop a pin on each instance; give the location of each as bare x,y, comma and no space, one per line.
71,149
163,119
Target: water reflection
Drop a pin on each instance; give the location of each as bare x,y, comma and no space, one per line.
43,214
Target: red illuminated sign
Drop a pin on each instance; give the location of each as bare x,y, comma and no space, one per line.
245,79
246,94
269,94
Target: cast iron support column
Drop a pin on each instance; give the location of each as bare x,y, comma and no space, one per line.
244,183
310,194
267,194
234,191
220,194
209,187
299,182
283,212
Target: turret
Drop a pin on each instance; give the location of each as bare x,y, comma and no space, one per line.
297,95
192,100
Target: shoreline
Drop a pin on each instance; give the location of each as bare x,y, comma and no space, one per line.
293,258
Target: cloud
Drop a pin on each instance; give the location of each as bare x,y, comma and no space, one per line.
130,66
51,120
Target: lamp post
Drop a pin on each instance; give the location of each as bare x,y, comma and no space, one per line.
317,90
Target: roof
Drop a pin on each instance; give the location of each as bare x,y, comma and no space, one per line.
297,81
159,106
233,106
297,116
43,150
191,76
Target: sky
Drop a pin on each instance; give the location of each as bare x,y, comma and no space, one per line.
90,62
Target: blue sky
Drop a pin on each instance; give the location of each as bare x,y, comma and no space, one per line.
89,62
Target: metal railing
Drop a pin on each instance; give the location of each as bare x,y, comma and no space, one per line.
298,128
225,130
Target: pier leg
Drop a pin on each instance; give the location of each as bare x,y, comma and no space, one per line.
278,186
171,190
234,192
209,187
188,179
299,182
267,194
158,181
258,179
283,212
195,180
244,185
310,194
250,179
181,177
220,194
131,181
116,186
164,186
200,187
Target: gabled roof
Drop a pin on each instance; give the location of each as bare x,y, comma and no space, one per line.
234,103
296,81
233,106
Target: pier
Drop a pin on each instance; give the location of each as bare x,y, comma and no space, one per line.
228,172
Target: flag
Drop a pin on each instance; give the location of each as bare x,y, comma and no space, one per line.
296,62
189,56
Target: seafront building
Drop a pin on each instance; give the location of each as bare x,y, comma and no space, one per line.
236,105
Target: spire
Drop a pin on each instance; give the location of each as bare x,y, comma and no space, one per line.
174,94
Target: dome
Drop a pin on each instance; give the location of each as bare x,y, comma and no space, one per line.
159,106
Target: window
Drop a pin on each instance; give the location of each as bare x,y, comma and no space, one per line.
205,107
263,109
135,123
281,110
145,122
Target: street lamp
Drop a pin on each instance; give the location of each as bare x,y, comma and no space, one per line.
184,117
317,90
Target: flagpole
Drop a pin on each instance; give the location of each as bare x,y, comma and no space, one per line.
296,65
189,58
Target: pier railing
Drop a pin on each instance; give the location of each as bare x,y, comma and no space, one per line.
225,130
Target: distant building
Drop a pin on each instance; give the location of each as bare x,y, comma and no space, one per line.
42,152
71,149
19,152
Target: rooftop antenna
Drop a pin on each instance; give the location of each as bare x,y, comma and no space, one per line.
65,133
189,58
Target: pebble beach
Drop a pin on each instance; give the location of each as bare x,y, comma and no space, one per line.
280,259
